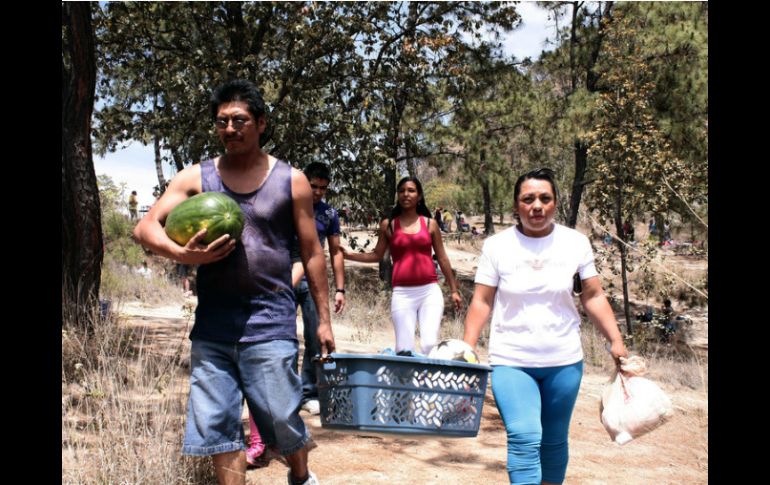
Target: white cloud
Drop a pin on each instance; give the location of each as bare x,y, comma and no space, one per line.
528,40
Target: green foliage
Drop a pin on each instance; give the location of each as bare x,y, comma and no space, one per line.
450,195
634,163
338,78
377,89
122,255
673,37
119,247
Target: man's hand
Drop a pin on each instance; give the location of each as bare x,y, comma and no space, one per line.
195,252
326,337
339,302
457,299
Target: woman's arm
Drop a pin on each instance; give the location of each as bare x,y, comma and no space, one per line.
375,256
478,312
444,264
601,315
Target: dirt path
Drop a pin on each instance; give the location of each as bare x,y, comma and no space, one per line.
673,454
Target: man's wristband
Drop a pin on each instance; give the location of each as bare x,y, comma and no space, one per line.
341,290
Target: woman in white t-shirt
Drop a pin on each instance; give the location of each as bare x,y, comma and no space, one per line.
525,279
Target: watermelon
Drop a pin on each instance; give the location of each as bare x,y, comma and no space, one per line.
214,211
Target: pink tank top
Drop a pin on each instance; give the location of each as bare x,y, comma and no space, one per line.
412,256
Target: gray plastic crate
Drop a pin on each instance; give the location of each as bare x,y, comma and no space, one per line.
395,394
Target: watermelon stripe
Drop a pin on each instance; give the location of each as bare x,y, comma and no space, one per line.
214,210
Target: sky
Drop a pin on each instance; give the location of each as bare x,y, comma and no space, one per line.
134,165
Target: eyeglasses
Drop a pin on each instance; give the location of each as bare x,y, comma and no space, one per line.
319,187
238,123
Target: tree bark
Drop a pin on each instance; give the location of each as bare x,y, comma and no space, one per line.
82,242
159,166
393,142
618,219
489,227
581,163
592,79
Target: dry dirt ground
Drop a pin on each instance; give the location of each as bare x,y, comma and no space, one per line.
673,454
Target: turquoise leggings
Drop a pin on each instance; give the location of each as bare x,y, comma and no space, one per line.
536,406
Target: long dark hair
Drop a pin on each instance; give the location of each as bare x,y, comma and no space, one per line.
422,208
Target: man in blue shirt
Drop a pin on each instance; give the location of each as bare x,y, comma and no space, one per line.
327,224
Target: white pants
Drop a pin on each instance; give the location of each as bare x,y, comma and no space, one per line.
411,304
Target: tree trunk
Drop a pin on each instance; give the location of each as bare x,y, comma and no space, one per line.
623,273
178,162
411,166
581,162
592,80
394,128
159,166
618,219
82,242
489,227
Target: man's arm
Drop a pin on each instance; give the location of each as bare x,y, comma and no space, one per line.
338,268
312,256
150,233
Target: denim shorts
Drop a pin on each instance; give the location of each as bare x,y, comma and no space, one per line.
222,375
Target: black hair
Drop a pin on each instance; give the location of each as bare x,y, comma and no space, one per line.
238,90
540,174
317,170
422,208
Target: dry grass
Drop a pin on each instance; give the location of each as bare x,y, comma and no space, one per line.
367,302
119,282
675,364
124,396
368,307
123,408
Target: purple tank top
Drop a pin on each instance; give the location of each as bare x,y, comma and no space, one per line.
247,296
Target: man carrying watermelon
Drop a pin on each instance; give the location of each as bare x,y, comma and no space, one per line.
244,339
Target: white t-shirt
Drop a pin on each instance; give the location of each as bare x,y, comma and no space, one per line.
534,319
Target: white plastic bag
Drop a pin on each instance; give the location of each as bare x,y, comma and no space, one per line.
632,405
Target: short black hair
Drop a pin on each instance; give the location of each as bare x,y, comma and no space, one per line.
317,170
540,174
238,90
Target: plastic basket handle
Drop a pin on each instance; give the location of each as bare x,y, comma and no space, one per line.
324,359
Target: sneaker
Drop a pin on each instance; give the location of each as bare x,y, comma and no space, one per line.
312,406
255,451
311,479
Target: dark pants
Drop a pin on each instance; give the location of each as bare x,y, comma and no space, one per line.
312,344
